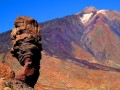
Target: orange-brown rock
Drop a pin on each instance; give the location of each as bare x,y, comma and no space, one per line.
6,72
26,47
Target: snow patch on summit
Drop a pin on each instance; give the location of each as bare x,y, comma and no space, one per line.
86,17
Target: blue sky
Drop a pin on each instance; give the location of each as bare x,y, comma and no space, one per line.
43,10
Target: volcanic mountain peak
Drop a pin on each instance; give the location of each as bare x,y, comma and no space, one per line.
87,16
90,9
89,13
87,10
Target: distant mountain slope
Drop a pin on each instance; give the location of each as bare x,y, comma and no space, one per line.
102,37
61,37
5,41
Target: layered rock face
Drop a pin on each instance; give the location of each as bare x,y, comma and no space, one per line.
26,47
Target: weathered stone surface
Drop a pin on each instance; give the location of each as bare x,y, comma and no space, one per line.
6,72
7,88
26,47
2,84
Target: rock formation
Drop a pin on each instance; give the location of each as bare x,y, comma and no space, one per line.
26,47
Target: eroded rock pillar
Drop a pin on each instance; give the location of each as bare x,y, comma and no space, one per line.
26,47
